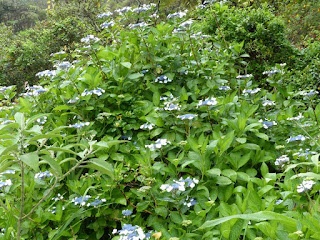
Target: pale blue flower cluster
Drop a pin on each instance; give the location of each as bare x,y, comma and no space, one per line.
126,212
187,116
79,125
177,14
34,91
129,232
251,91
98,92
163,79
244,76
3,89
7,122
297,138
42,120
63,65
191,202
224,88
105,14
207,102
309,94
180,185
158,144
266,124
42,175
186,24
305,153
8,172
268,103
46,73
270,73
296,118
147,126
280,161
89,39
5,183
137,25
123,10
107,24
81,200
58,197
305,185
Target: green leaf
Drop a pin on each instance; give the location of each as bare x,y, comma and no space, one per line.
213,172
225,142
262,136
258,216
32,160
102,166
109,144
176,217
20,119
135,76
126,64
223,181
156,98
53,164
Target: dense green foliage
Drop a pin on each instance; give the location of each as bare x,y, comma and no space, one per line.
146,121
263,34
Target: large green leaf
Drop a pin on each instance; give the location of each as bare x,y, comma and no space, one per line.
258,217
31,159
102,166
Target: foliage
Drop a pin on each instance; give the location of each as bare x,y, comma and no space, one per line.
20,14
263,34
151,130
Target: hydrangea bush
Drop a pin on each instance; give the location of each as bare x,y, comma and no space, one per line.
152,131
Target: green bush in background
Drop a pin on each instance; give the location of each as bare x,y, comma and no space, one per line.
263,33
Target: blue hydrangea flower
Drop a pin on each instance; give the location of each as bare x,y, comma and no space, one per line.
191,202
244,76
268,103
5,183
297,138
186,24
180,185
46,73
147,126
79,125
8,172
251,91
171,107
126,212
158,144
107,24
34,90
129,232
270,73
305,153
137,25
81,200
98,92
187,116
96,202
266,124
224,88
63,65
42,175
123,10
105,14
163,79
90,38
3,89
58,197
177,14
280,161
7,122
309,94
305,185
207,102
42,120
